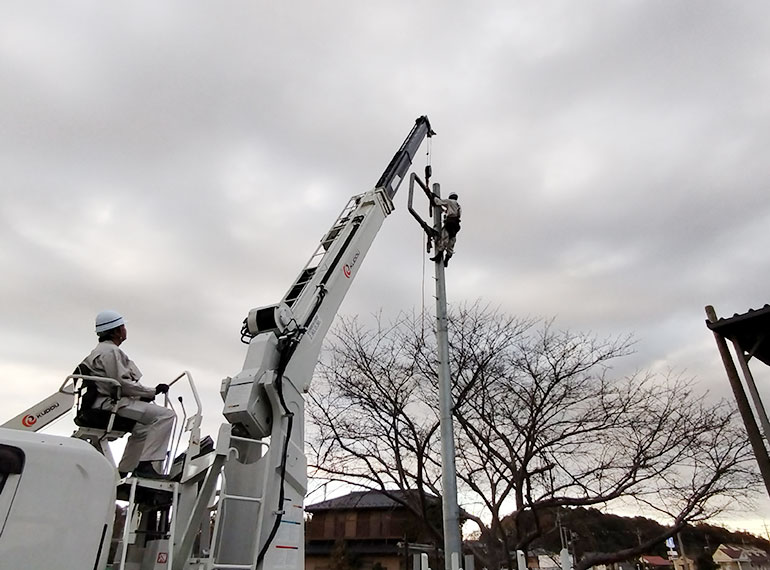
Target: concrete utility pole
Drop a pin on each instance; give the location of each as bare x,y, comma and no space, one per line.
452,541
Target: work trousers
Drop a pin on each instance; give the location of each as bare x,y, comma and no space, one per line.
151,434
448,236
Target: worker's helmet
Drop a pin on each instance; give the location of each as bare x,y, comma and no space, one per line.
453,196
108,320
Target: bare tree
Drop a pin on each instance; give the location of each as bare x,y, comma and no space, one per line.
540,424
374,415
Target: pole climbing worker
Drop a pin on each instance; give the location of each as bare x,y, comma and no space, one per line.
450,227
146,448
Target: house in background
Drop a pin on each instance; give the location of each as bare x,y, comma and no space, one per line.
739,557
369,530
654,562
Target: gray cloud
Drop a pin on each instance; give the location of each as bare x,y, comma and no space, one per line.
179,162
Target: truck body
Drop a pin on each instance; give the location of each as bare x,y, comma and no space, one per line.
57,502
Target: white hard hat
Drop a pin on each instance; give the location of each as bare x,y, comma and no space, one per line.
108,320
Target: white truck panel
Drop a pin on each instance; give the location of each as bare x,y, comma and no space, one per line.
58,512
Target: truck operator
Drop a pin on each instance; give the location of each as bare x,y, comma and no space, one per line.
147,446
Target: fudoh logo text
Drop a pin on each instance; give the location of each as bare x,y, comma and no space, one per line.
347,269
30,420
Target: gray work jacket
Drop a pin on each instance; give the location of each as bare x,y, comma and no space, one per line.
109,361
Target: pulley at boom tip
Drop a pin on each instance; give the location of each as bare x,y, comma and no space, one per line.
426,120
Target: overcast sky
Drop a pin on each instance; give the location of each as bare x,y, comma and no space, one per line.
179,161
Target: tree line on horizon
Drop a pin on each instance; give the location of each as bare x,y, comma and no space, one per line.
591,530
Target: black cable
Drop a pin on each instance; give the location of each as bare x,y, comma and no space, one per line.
286,355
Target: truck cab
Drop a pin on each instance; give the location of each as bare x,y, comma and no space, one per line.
57,502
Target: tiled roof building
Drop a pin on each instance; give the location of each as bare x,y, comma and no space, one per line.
653,561
739,557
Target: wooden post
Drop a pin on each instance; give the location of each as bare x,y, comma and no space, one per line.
752,430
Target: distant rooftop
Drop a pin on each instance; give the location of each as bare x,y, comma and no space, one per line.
365,500
654,560
757,556
748,330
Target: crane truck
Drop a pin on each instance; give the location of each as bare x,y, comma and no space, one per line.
233,503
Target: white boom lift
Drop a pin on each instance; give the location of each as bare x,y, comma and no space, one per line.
235,505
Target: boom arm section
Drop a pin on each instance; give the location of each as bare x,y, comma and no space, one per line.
402,160
306,312
322,285
261,519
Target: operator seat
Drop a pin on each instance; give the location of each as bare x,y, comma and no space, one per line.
97,426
